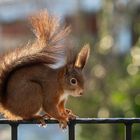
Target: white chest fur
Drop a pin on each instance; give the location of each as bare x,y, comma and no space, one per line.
65,95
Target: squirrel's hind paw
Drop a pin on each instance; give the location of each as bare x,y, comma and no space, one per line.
40,120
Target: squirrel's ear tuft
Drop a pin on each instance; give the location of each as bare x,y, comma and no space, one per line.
82,57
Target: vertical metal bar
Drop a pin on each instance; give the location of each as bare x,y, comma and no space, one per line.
71,131
14,131
128,131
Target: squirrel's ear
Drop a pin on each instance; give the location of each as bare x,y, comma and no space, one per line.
82,57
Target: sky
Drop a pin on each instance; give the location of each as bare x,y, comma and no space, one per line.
13,9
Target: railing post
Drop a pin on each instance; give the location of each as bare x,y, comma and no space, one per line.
128,131
71,130
14,131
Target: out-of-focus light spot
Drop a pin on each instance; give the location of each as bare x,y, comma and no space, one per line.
135,53
103,113
106,43
132,69
99,71
137,99
135,50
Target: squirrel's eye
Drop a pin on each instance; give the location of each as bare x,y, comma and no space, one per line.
73,81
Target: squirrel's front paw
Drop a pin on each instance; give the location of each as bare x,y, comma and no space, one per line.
68,111
63,123
70,114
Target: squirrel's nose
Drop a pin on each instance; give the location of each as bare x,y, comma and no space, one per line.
81,92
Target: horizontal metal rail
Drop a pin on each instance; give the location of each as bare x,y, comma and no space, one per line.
128,122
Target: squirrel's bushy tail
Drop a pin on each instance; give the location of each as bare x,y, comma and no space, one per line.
45,49
47,28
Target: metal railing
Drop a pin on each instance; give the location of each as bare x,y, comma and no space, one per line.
128,122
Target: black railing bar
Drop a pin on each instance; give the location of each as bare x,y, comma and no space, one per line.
106,120
128,131
71,131
4,121
78,121
14,131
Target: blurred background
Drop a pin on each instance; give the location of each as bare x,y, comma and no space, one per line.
112,28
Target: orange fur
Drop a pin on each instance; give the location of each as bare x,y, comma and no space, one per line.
28,83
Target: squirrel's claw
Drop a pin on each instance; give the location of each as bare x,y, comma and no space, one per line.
40,120
42,123
63,124
70,114
68,111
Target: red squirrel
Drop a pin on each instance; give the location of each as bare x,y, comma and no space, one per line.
28,82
